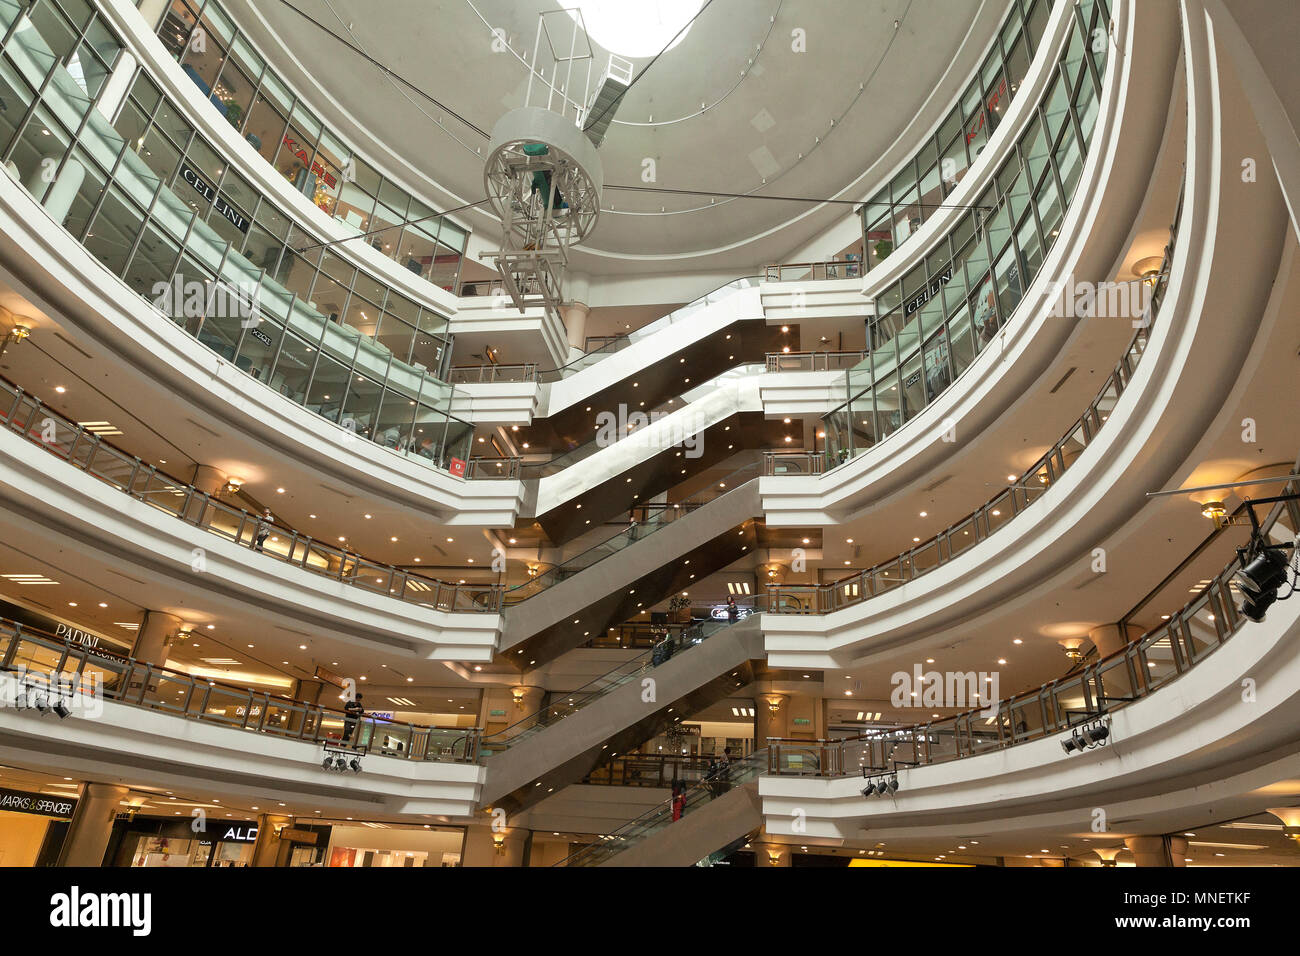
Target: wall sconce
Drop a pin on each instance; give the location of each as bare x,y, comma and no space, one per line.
499,843
1072,649
1108,854
773,857
518,694
1214,510
16,334
232,485
1290,817
532,570
774,702
1148,269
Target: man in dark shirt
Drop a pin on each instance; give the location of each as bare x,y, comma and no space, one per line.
353,711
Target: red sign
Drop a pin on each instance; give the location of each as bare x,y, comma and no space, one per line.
992,104
316,167
457,467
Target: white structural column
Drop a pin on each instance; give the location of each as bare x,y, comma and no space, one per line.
114,92
92,824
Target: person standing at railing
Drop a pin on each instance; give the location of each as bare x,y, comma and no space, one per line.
353,711
733,610
679,800
262,532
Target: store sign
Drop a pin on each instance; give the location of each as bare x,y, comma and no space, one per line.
237,833
929,292
260,336
992,106
327,675
720,613
457,467
17,801
213,196
330,179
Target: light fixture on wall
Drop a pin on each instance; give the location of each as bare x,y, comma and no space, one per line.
499,843
233,485
1290,817
774,702
17,334
773,857
1072,649
1108,854
1214,510
1148,269
518,693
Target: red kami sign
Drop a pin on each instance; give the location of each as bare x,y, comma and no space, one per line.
330,179
457,467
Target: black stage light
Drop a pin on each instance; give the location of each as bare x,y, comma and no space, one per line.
1266,571
1068,745
1259,581
355,764
60,707
892,786
1096,734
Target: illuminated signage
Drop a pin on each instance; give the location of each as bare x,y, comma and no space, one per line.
18,801
214,196
330,179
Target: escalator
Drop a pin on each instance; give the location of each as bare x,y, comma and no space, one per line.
634,569
618,711
630,455
717,813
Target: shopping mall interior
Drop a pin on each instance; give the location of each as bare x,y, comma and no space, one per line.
498,433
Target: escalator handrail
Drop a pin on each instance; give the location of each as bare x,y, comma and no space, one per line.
645,530
757,759
697,631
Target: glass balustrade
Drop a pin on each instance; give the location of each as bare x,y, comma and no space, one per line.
82,676
1029,487
594,690
221,263
1160,656
935,319
87,451
736,774
234,78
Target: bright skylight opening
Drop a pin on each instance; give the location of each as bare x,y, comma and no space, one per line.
637,28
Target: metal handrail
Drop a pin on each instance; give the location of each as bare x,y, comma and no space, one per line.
606,683
30,417
126,680
981,523
815,271
611,344
633,533
813,361
739,771
1106,685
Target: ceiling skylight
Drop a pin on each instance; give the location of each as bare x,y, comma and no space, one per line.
636,29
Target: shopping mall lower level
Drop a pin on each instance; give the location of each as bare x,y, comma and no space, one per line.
386,483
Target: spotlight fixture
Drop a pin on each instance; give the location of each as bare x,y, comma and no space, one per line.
1259,579
1214,510
342,760
1095,732
879,784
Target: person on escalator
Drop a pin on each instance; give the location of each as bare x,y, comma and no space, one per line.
733,610
679,800
724,771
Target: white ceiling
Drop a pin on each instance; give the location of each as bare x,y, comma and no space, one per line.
810,123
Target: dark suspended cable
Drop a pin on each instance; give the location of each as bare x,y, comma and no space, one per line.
396,225
387,70
591,120
807,199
